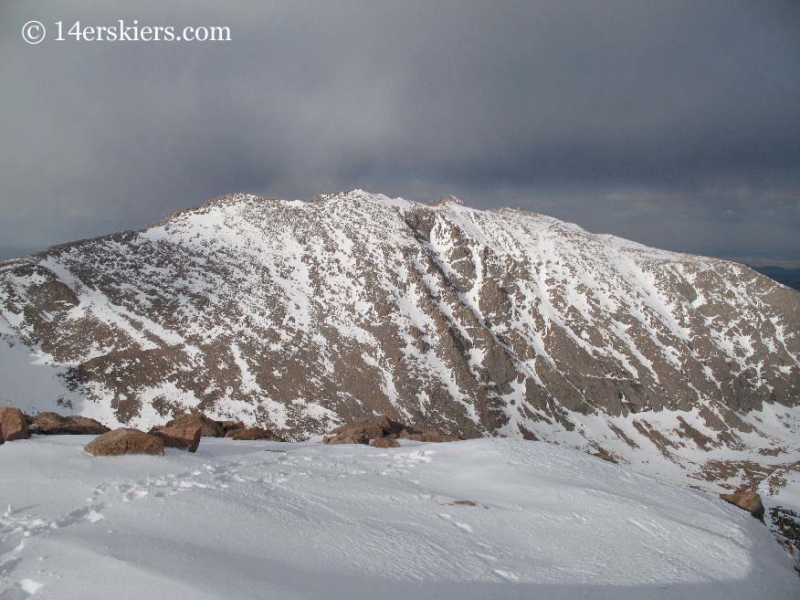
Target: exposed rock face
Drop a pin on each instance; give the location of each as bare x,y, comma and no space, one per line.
746,500
50,423
125,441
13,425
300,316
186,437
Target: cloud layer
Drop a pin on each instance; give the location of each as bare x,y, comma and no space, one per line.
675,124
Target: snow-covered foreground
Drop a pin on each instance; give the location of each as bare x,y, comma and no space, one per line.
285,521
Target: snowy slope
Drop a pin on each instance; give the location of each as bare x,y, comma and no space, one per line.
301,315
291,521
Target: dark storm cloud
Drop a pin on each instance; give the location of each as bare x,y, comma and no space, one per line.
675,123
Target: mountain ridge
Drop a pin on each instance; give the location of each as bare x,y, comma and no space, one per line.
299,315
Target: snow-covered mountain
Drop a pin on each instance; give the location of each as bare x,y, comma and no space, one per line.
300,315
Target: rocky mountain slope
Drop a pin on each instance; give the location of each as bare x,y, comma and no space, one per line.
301,315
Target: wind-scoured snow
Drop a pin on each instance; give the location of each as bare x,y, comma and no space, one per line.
478,519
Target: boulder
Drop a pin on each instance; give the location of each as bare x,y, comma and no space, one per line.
746,500
50,423
125,441
361,432
13,425
385,442
183,438
254,433
210,427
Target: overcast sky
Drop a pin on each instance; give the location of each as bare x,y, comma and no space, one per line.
676,124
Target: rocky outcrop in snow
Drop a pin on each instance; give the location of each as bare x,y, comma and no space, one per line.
384,432
13,425
50,423
186,437
125,440
746,500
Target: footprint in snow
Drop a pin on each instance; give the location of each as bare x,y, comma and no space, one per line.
134,494
88,514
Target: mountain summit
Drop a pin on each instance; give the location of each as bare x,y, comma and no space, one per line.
299,315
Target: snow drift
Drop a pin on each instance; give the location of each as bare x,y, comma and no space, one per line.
487,518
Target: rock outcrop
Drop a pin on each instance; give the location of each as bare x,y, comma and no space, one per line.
383,428
125,441
208,427
746,500
50,423
183,437
13,425
254,433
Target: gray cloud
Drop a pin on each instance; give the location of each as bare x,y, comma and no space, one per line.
675,124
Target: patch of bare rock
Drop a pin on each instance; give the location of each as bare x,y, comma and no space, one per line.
384,432
125,441
786,524
605,455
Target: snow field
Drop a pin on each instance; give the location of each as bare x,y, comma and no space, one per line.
489,518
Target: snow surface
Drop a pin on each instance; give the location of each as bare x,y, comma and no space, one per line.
305,520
